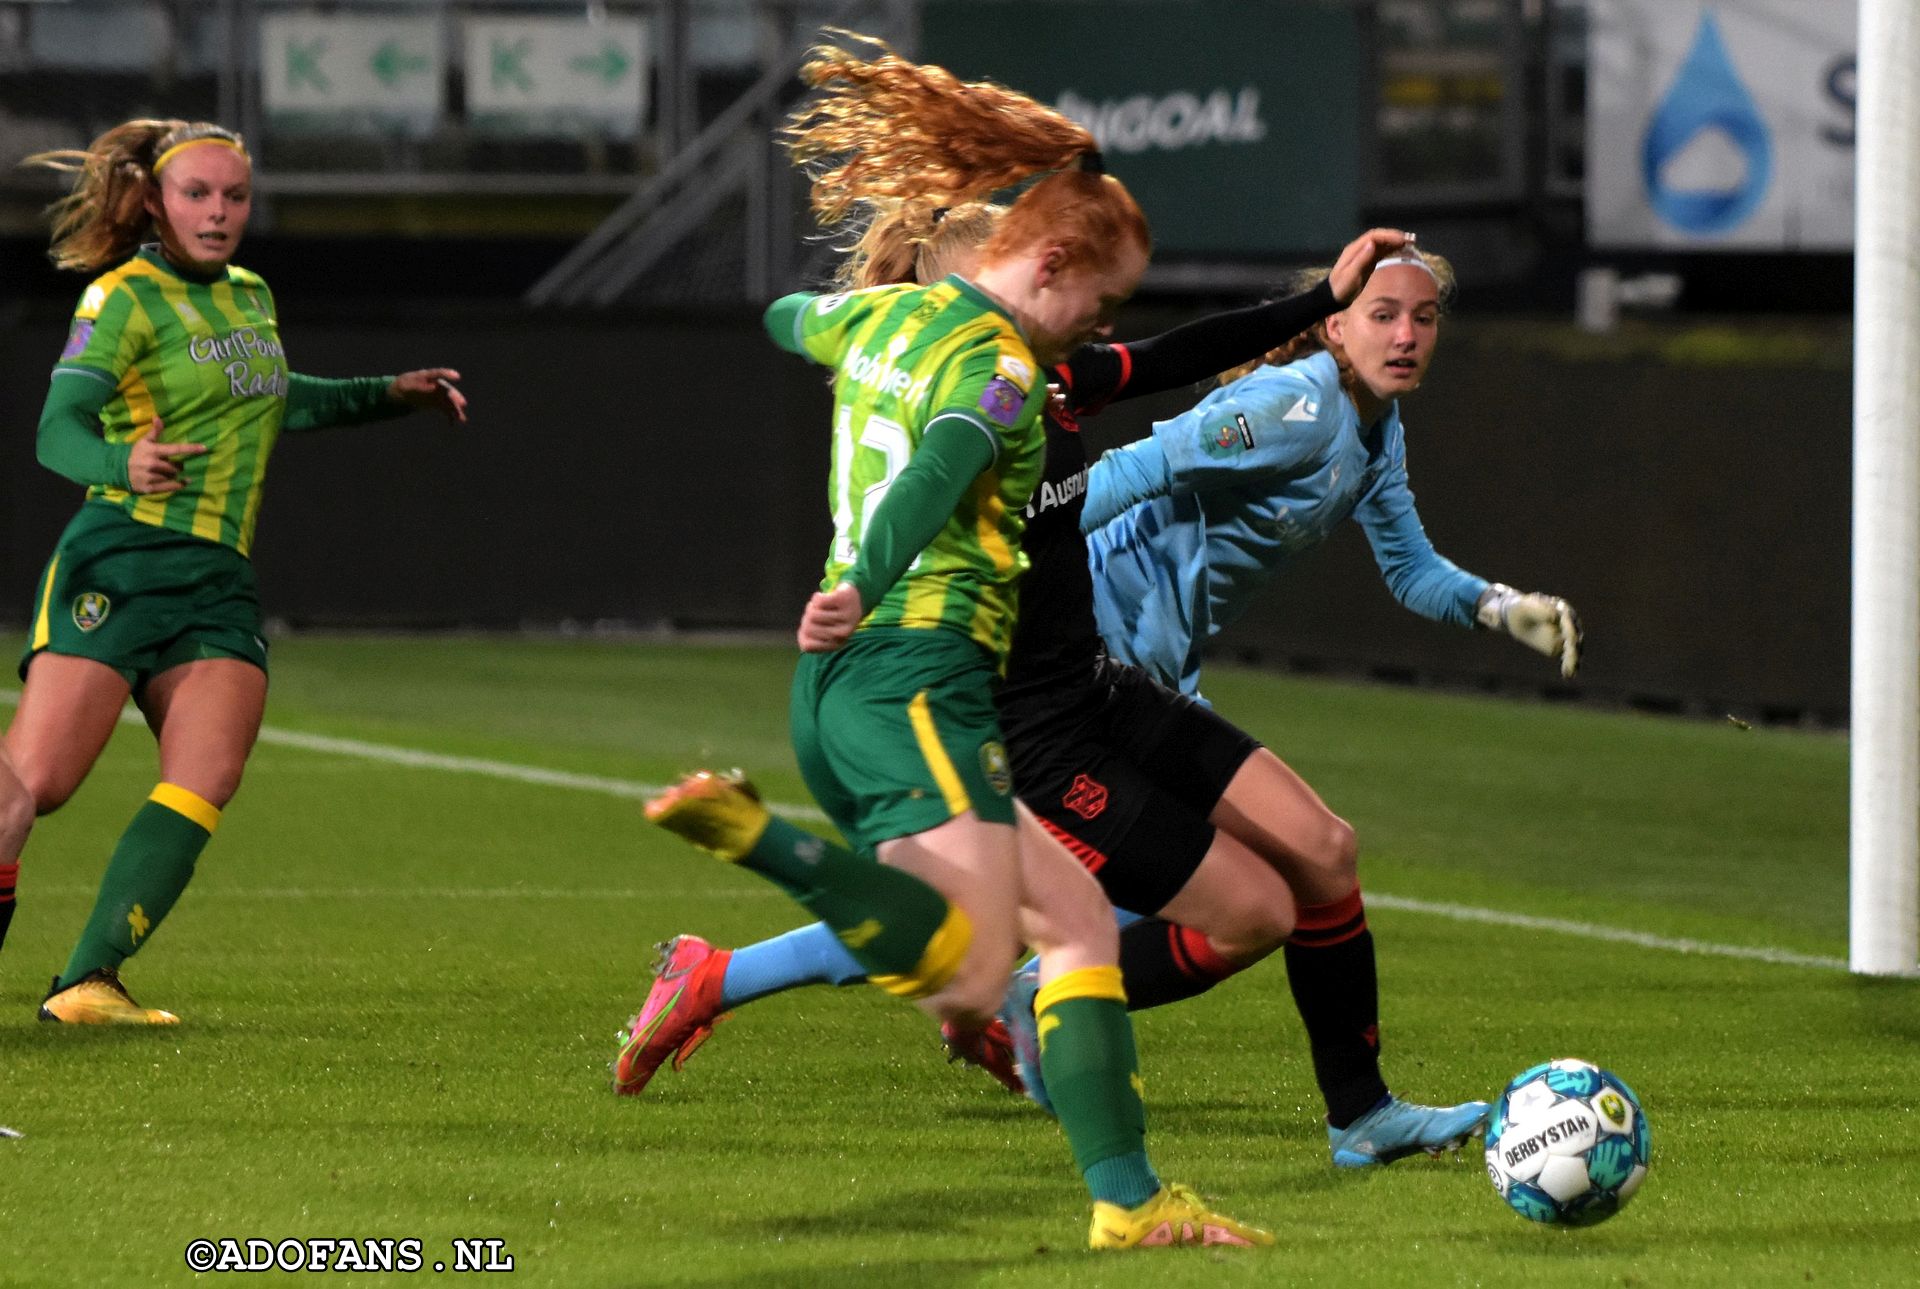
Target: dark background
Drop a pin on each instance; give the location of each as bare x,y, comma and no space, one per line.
1685,485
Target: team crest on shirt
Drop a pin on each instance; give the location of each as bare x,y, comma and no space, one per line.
1229,439
1001,400
77,338
90,609
993,764
189,314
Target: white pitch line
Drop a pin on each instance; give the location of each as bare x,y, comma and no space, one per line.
1595,931
417,758
423,760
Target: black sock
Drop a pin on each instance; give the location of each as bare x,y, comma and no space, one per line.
1330,969
1162,962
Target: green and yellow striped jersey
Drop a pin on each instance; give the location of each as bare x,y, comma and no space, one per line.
905,357
204,358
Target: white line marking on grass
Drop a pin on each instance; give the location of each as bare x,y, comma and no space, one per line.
1595,931
416,758
423,760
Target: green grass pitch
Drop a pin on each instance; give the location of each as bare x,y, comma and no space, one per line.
401,985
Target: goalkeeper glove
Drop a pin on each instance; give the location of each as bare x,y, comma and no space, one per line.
1543,623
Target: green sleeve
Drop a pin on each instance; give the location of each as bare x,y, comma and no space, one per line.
69,441
782,320
918,504
821,327
314,403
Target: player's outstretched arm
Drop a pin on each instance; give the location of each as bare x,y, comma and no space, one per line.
1205,347
318,403
1545,624
433,389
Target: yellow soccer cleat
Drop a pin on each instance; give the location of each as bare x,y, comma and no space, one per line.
98,998
720,813
1173,1216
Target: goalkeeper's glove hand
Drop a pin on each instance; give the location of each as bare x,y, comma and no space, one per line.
1543,623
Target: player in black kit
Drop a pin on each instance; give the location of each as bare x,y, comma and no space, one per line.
1221,852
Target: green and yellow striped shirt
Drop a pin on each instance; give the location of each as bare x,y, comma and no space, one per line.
205,360
904,358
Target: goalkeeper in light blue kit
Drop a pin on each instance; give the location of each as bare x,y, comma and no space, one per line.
1186,525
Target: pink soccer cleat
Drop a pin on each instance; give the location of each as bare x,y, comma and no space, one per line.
681,1010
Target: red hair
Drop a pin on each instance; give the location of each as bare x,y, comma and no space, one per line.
906,138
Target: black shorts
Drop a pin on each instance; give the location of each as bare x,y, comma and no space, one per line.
1126,781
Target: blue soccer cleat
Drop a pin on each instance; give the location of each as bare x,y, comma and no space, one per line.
1016,1013
1395,1129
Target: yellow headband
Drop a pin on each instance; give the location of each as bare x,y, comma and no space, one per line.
178,148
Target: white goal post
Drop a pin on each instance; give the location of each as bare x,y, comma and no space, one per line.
1884,845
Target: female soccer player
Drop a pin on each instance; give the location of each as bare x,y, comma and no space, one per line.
1176,811
937,450
1188,523
165,404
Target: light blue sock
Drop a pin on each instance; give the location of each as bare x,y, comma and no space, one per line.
810,955
1120,917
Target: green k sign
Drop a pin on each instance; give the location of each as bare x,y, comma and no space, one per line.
303,64
509,64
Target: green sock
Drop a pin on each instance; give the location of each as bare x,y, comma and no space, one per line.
151,865
1093,1076
888,919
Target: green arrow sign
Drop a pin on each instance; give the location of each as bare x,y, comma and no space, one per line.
610,64
392,61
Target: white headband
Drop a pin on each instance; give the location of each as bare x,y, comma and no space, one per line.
1410,257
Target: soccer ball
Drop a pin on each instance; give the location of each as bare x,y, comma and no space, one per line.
1567,1143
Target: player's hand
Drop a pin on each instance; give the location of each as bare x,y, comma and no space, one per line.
829,619
432,388
1355,265
150,466
1543,623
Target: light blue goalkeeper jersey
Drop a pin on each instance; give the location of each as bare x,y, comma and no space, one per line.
1258,472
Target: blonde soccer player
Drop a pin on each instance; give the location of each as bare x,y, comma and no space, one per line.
165,405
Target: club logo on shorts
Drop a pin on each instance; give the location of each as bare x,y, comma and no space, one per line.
1086,798
90,609
993,764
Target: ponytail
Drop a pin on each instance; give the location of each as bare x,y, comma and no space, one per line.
104,217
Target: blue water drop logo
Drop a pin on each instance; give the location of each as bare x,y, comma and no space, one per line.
1705,95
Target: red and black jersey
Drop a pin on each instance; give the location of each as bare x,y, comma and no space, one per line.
1055,642
1051,667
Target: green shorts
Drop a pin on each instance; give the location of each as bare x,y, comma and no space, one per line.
142,599
897,733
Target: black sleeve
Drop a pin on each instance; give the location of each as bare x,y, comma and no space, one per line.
1095,375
